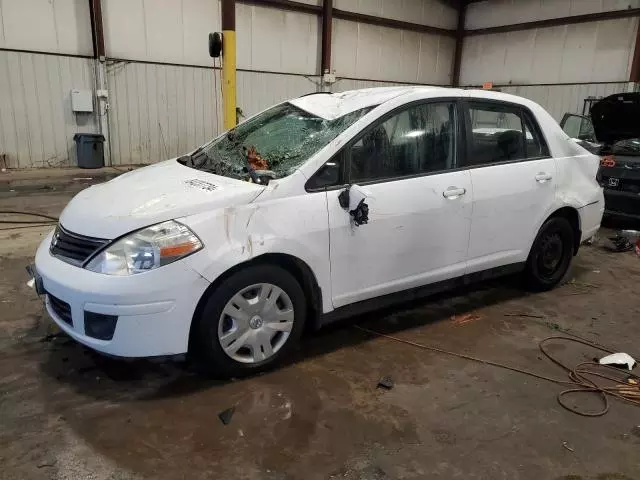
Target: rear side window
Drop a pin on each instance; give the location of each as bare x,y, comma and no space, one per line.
414,141
502,133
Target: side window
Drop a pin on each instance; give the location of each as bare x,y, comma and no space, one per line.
420,139
502,133
329,175
496,134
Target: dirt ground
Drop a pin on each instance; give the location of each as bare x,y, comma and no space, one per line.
67,413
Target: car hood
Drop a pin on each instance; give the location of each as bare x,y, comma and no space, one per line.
150,195
617,117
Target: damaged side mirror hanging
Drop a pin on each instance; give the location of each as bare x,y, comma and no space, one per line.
352,199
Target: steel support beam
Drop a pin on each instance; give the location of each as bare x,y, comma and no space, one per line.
457,57
100,69
352,16
97,31
556,22
327,22
634,75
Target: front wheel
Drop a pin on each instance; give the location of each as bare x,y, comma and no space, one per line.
250,321
551,255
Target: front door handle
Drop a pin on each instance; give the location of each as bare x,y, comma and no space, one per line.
543,177
454,192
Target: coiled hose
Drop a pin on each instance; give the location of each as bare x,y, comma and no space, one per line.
579,381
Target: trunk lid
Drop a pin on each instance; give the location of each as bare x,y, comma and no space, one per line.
617,117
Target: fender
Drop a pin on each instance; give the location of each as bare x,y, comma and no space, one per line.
295,226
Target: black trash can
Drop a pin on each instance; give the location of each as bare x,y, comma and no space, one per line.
89,150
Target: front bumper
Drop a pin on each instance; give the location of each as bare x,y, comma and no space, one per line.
622,204
154,308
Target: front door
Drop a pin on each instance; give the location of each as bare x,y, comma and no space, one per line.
419,206
514,183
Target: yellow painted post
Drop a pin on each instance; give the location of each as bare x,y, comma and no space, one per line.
229,63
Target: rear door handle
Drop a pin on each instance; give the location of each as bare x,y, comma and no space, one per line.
453,192
543,177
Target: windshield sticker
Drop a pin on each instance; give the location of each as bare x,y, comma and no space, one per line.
209,187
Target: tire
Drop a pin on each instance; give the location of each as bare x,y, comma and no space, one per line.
252,327
551,255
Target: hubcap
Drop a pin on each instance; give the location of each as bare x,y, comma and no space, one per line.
255,323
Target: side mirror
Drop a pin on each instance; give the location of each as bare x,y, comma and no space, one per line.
352,199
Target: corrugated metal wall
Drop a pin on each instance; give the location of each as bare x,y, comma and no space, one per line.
582,53
36,121
507,12
558,67
425,12
561,99
381,53
161,111
60,26
158,109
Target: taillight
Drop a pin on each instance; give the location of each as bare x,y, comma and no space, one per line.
608,161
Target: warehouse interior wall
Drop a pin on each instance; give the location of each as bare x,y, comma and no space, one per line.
164,92
556,66
36,121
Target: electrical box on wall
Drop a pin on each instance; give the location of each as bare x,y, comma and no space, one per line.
81,101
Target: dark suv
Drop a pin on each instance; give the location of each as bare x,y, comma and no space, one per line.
613,132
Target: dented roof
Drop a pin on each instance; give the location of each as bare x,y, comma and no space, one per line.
335,105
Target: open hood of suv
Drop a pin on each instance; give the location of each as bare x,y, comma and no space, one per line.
617,117
151,195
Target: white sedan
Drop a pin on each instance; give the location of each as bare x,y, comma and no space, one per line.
314,209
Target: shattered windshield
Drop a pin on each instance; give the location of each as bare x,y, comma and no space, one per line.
270,145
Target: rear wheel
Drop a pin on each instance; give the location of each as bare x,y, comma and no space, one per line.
551,255
250,321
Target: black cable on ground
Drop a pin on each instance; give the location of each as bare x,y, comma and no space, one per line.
28,226
30,214
580,376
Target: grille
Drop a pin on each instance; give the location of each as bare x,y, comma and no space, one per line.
74,248
60,308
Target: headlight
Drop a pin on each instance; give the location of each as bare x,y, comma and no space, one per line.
146,249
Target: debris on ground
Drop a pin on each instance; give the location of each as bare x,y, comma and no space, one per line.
528,315
577,283
564,444
618,360
619,243
225,415
52,336
466,318
385,382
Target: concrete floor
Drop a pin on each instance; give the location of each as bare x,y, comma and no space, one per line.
67,413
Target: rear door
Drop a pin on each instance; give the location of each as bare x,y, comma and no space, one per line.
419,205
514,182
